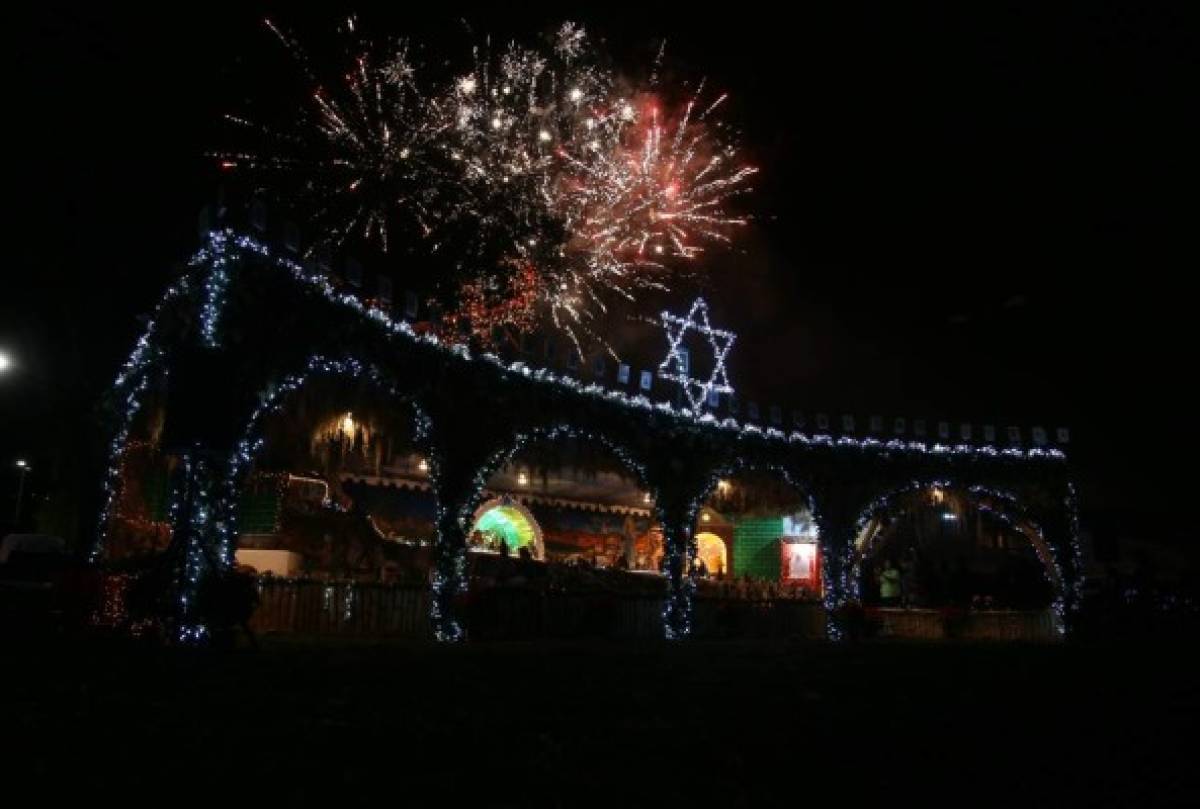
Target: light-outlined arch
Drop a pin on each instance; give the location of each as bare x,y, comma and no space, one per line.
144,367
272,399
830,588
1001,504
548,435
741,466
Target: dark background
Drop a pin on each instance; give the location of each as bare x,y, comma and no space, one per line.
982,214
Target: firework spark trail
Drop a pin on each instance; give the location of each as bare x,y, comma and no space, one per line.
545,185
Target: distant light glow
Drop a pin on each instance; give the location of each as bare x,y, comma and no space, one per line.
509,524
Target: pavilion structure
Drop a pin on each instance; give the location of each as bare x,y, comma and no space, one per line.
251,323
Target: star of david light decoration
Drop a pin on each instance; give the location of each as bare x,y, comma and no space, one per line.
675,366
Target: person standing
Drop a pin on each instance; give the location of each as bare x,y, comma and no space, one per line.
889,585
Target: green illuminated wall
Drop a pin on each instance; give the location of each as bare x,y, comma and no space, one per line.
756,547
258,512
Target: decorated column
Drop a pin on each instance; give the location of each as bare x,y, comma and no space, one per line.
448,581
681,488
679,549
836,518
200,433
198,532
459,466
1060,527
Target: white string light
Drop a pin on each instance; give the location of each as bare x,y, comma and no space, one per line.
676,366
213,516
1067,591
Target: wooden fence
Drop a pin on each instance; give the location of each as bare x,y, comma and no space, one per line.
342,608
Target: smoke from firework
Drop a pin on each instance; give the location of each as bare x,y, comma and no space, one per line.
543,185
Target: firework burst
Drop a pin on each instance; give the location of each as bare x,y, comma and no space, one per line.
358,157
544,185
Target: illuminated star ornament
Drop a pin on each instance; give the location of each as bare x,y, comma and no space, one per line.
675,366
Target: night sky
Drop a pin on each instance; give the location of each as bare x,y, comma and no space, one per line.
981,216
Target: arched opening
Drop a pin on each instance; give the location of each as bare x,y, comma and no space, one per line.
588,502
565,543
768,527
302,503
337,490
712,556
504,526
939,546
757,567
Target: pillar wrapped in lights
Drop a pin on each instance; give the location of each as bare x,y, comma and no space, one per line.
345,336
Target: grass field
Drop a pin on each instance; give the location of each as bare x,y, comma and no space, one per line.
726,724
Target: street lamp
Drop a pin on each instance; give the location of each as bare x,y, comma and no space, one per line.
6,361
23,465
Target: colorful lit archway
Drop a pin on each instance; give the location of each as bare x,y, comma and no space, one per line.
711,549
505,520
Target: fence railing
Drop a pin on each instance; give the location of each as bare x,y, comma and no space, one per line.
343,608
1004,625
758,618
517,613
521,613
511,613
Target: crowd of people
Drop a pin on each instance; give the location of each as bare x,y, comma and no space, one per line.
584,576
577,576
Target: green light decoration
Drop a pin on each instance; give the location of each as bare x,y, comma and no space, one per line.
511,525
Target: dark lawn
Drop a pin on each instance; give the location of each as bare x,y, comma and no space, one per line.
752,724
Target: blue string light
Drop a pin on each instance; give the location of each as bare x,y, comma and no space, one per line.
213,515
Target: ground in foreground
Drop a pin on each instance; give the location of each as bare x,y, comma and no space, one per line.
570,724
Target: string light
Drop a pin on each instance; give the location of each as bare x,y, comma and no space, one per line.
210,493
833,588
676,366
1067,590
216,283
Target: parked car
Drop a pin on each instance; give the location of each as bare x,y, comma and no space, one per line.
42,586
